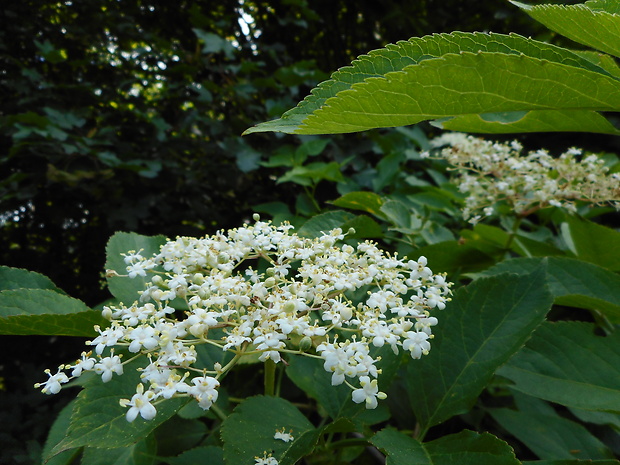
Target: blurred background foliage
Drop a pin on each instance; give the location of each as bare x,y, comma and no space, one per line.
127,115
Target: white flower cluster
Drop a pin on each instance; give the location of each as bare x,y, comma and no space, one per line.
494,173
301,293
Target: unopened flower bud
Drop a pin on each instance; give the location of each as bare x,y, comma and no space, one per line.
290,306
305,344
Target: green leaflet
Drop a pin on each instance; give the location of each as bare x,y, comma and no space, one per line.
17,278
596,24
484,325
592,242
123,288
572,282
31,304
99,421
551,436
531,121
466,447
566,363
45,312
446,75
610,6
249,431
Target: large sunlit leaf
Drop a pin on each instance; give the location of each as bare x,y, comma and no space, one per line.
45,312
596,24
447,75
567,363
484,325
466,447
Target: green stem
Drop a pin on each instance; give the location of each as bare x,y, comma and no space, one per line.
270,377
218,412
513,233
310,195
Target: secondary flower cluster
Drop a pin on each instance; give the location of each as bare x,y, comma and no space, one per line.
493,174
262,289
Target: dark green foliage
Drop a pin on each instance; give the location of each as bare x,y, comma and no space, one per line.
127,116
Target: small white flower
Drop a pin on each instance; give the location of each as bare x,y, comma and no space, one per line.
417,343
282,436
368,393
108,366
265,460
86,363
53,384
204,390
140,403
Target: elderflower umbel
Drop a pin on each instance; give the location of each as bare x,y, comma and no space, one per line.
492,174
262,289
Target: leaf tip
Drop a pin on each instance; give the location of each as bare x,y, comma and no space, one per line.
523,6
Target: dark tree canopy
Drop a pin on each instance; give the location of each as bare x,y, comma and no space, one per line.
127,115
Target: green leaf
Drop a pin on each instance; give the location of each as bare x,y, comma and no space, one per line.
551,436
453,257
448,75
572,462
573,283
402,217
249,431
592,242
597,417
368,202
484,325
400,448
313,173
464,448
365,227
610,6
46,312
530,121
566,363
141,453
126,289
309,375
589,24
319,224
493,239
206,454
98,420
57,432
17,278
